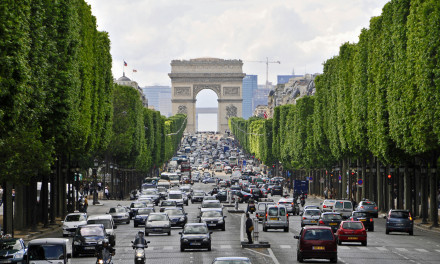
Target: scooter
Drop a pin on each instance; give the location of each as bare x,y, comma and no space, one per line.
303,201
139,253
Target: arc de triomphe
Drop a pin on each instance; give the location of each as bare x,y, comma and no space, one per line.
224,77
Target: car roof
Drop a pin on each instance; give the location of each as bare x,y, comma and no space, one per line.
76,214
331,213
103,216
195,224
316,227
41,241
232,258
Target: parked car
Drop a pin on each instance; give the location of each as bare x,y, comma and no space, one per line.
142,215
330,219
195,235
316,242
369,207
72,221
12,250
276,218
365,218
352,231
158,223
399,221
310,217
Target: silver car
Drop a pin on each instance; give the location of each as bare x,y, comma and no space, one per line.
276,218
120,214
310,217
158,223
327,205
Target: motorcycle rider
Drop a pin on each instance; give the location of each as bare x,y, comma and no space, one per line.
251,206
302,198
104,251
139,239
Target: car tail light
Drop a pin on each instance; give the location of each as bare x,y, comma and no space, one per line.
324,206
371,219
266,216
410,218
375,208
362,207
321,222
304,218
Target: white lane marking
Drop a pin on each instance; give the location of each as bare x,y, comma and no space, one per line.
285,246
402,249
225,246
168,248
438,250
382,249
272,255
421,250
258,252
343,247
363,248
242,227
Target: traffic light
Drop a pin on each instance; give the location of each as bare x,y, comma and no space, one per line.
389,179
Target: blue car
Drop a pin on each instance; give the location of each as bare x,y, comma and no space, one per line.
399,221
12,250
142,215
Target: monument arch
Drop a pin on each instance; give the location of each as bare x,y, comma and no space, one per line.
224,77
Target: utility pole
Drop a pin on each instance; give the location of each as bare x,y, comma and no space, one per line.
267,68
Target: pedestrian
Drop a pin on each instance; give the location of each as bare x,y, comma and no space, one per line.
1,195
325,193
249,228
86,204
13,195
106,192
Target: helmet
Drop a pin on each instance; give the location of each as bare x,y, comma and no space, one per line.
105,242
141,233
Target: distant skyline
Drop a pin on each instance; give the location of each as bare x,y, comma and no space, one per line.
302,34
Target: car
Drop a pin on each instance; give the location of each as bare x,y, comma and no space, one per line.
316,242
47,250
312,207
109,225
158,223
86,238
167,203
163,192
210,205
209,198
368,206
213,219
291,205
142,215
242,196
276,190
209,180
399,221
327,205
186,189
344,207
72,221
365,218
152,194
231,260
276,218
197,196
195,235
260,211
119,214
148,202
310,217
330,219
177,216
134,207
12,250
256,193
222,196
352,231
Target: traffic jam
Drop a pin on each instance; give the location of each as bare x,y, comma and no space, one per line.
192,196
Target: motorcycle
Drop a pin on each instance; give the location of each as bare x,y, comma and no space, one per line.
139,253
251,207
303,201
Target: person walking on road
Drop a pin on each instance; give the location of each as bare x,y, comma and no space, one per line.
249,228
106,193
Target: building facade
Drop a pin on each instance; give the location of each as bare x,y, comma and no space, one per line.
159,96
250,84
124,80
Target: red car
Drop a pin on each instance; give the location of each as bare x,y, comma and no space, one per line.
317,242
352,231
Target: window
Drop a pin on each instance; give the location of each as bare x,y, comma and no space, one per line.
152,218
46,252
352,225
273,211
107,224
399,215
318,234
91,231
339,205
197,229
283,211
175,196
75,218
348,205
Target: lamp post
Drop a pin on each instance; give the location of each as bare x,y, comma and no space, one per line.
95,181
76,186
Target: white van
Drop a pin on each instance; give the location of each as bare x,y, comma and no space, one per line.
49,250
218,167
344,207
109,224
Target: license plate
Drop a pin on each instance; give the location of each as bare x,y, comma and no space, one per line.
312,222
89,248
318,248
274,218
363,220
211,224
352,238
195,244
333,223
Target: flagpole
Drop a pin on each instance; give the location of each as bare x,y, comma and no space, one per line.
123,68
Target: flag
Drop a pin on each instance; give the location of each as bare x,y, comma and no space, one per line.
135,70
125,64
265,115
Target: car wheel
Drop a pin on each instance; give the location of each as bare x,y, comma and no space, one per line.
264,229
411,233
371,229
387,231
299,257
286,229
135,225
209,248
224,227
334,260
364,243
169,233
182,249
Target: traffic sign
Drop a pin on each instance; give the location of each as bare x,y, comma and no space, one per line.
360,182
310,178
244,162
340,177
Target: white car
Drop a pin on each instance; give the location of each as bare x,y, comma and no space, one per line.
327,205
72,221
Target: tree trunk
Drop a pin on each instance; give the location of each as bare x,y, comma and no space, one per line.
344,179
407,190
380,196
53,197
424,201
433,196
19,219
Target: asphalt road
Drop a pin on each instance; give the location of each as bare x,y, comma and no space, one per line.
423,247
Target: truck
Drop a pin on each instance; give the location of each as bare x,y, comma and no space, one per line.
299,187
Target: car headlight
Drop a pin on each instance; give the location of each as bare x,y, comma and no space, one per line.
65,227
185,240
220,221
148,225
205,239
77,243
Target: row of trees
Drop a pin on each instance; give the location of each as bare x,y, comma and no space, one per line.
375,114
60,110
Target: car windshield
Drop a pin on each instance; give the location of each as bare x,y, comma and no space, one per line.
175,196
231,262
91,231
168,203
117,210
331,217
137,205
144,211
195,229
161,189
45,252
198,193
149,192
318,234
400,214
211,214
11,245
359,214
152,218
211,205
352,225
75,218
174,212
368,203
273,211
105,222
312,212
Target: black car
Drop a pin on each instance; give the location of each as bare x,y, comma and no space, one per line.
256,193
365,217
12,250
177,216
213,219
86,238
165,204
243,197
142,215
195,235
399,221
222,196
276,190
330,219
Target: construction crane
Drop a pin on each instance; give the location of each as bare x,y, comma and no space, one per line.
267,68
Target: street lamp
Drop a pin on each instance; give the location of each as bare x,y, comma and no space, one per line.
95,181
77,186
